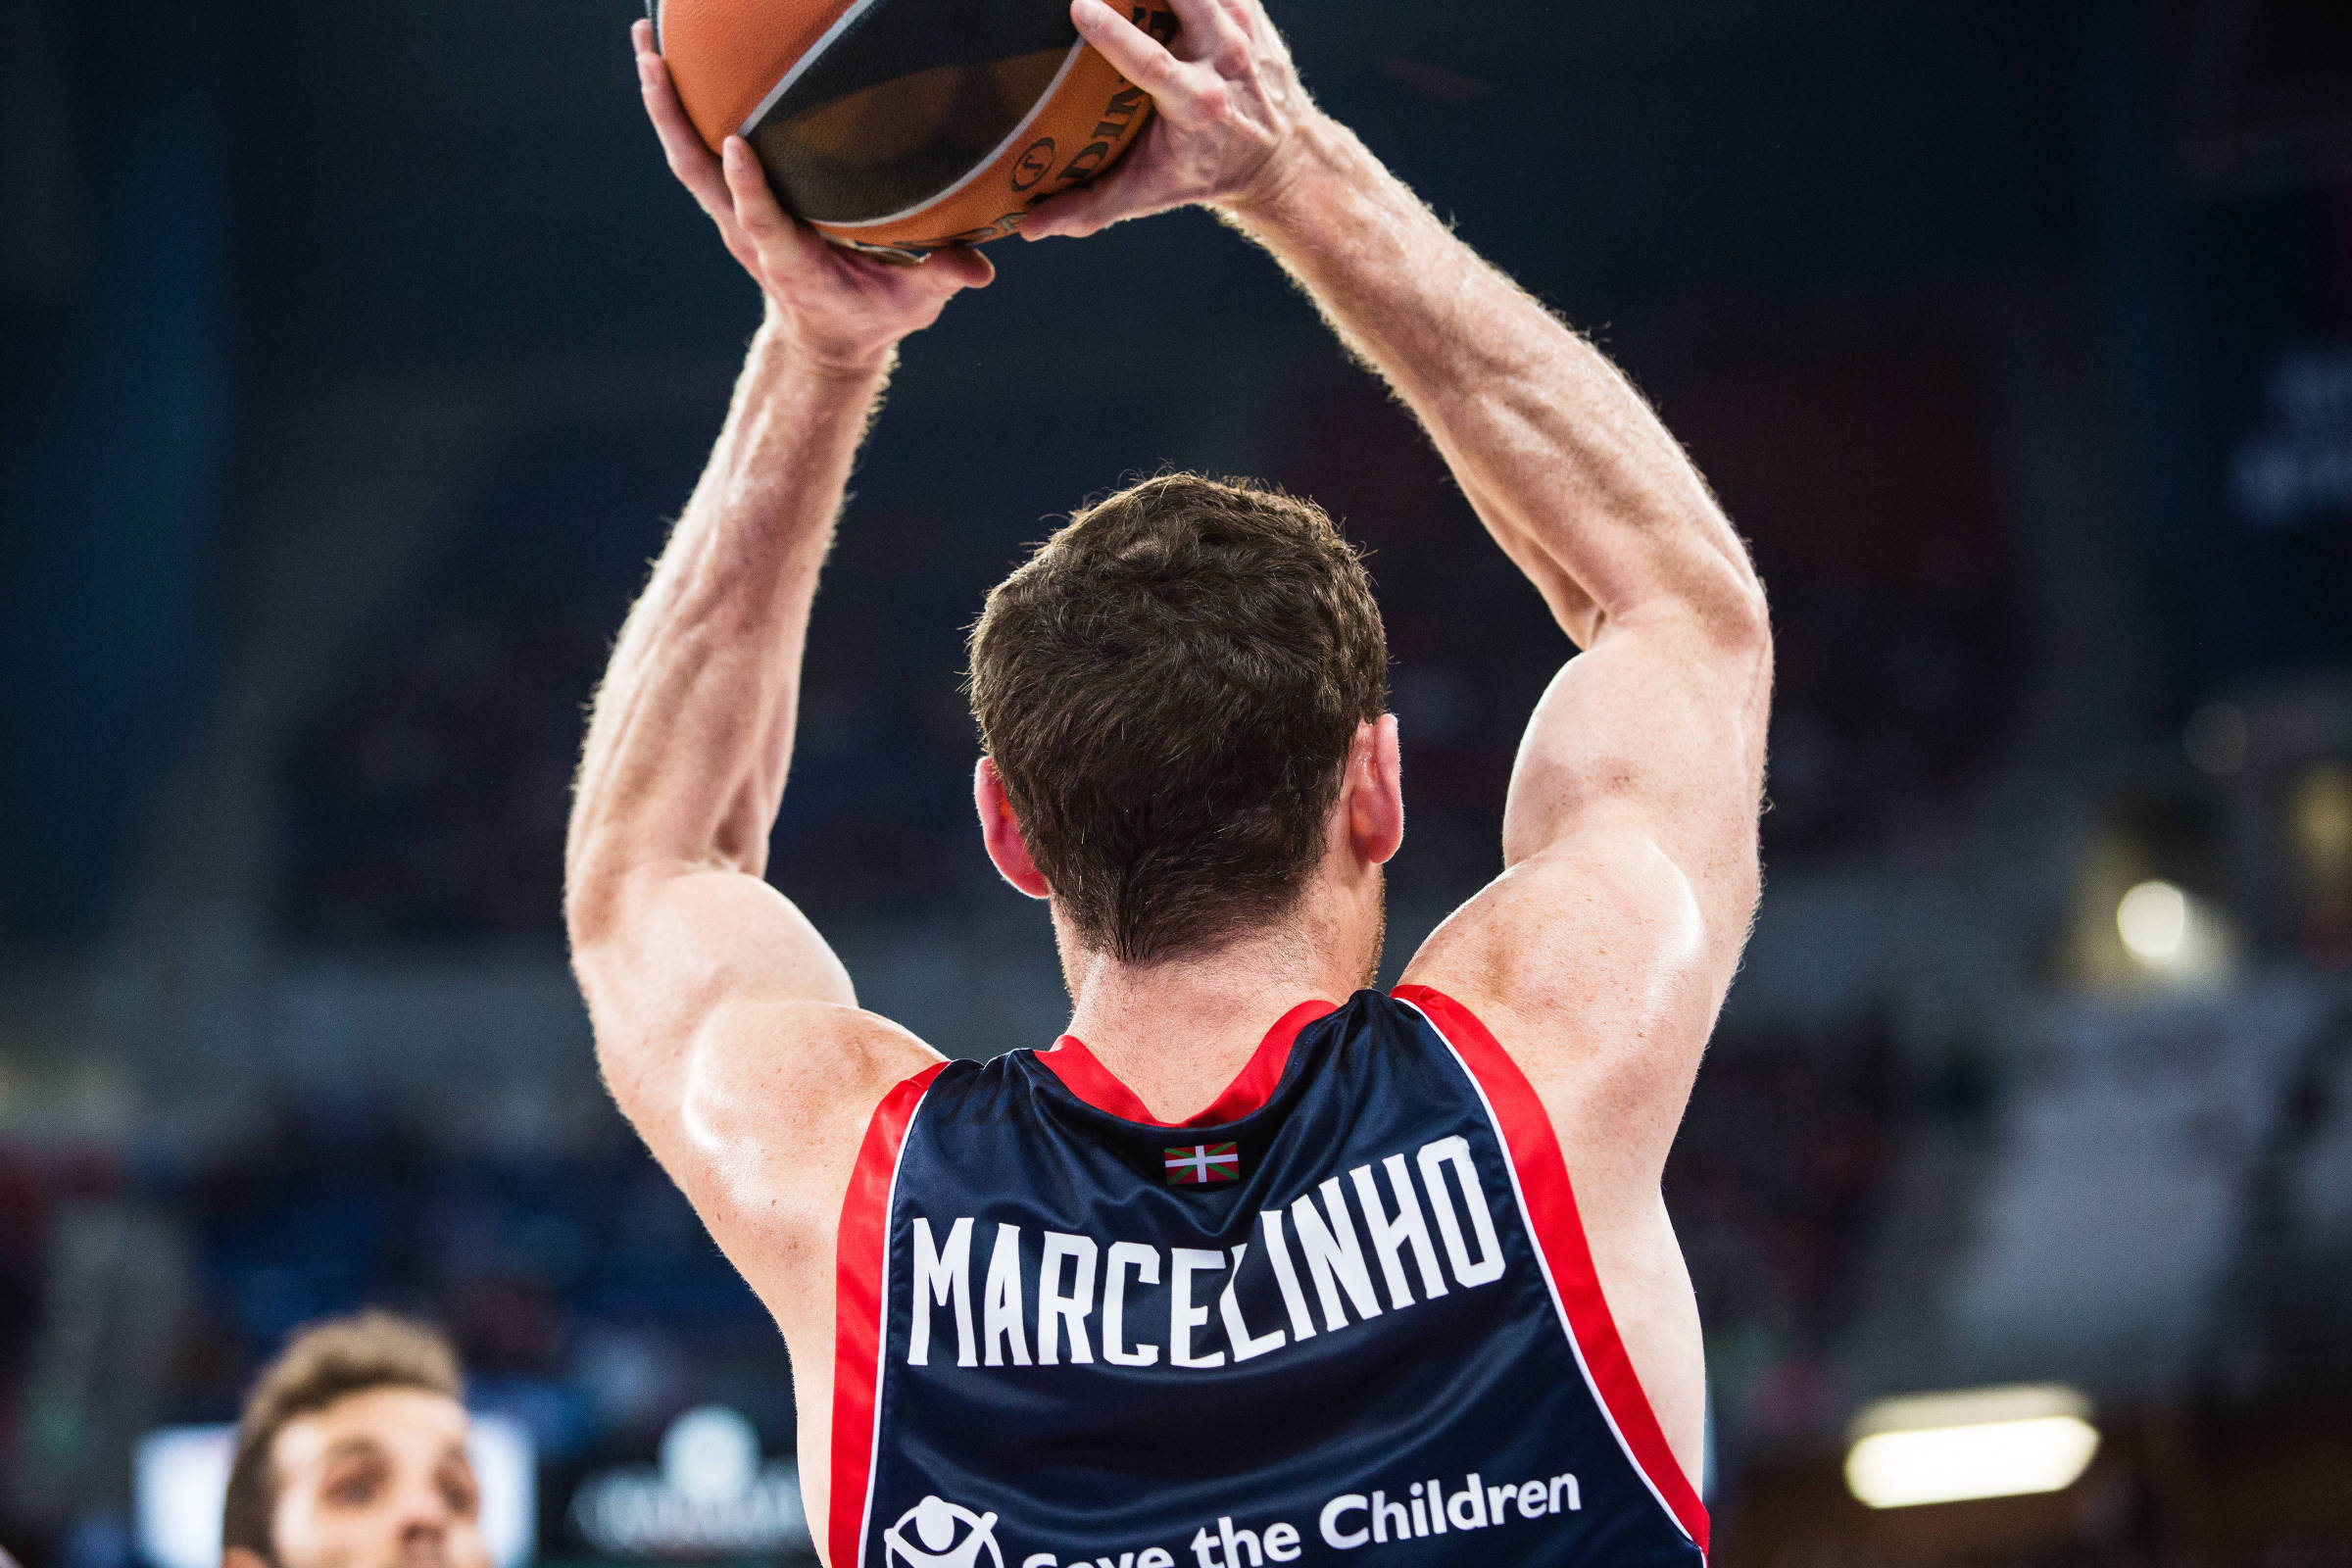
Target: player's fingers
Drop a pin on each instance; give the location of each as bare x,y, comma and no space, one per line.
1076,214
964,265
779,240
1065,217
641,36
1202,26
662,105
681,144
1141,58
1249,16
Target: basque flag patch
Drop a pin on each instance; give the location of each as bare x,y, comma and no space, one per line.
1197,1164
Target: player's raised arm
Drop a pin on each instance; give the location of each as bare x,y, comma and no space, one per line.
1601,955
1630,852
1630,834
698,974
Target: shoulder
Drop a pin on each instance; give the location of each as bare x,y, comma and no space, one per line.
786,1073
775,1105
1598,969
1585,931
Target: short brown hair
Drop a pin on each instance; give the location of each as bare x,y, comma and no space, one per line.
1168,688
320,1365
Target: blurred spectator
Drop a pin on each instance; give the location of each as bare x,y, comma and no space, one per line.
588,1304
350,1454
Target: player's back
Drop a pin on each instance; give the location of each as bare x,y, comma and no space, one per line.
1350,1308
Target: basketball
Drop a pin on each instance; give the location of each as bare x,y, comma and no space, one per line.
900,125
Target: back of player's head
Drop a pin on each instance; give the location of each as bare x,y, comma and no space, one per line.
323,1364
1168,688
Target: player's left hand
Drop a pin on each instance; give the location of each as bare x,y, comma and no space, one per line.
1229,112
836,305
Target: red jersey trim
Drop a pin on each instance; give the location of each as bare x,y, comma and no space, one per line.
1087,1078
1550,1205
860,1267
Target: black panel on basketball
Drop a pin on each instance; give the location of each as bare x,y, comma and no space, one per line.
909,98
894,38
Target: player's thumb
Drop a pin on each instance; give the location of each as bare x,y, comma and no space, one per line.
964,265
1074,214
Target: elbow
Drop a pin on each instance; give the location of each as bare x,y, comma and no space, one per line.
1741,616
1727,612
588,921
593,894
1715,598
587,882
603,861
587,885
1738,624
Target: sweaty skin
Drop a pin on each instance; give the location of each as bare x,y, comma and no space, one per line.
377,1479
727,1029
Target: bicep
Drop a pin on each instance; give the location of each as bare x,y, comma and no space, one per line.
1605,948
729,1035
766,1130
1658,729
679,945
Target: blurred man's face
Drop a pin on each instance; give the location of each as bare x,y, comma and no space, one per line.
377,1480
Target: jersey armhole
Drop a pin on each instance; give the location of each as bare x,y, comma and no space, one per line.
1548,1204
861,1272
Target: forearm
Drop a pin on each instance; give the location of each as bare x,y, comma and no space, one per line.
692,729
1565,463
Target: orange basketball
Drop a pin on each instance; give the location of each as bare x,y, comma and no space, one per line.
902,125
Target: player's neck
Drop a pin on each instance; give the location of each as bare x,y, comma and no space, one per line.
1178,1032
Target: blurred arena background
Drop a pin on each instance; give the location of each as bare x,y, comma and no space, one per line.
352,358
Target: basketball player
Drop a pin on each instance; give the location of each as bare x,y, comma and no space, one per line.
1253,1265
352,1455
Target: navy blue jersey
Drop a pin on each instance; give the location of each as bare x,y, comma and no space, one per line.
1346,1315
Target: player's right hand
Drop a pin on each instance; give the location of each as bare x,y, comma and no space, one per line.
838,308
1230,114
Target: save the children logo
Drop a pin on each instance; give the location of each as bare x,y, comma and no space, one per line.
946,1535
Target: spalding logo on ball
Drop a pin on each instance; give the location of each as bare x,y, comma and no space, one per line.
902,125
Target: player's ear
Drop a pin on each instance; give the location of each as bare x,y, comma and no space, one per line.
1000,828
1375,790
